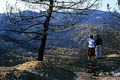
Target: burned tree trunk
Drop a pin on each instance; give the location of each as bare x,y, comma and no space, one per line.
45,32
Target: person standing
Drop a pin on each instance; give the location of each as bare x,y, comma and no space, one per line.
91,47
98,44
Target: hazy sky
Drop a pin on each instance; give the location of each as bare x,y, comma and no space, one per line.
113,4
12,2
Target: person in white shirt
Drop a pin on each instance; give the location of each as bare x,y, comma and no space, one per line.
91,47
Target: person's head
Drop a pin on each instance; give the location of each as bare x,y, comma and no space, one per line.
91,36
98,36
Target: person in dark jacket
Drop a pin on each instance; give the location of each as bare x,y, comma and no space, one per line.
98,44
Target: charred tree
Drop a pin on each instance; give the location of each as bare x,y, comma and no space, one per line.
45,32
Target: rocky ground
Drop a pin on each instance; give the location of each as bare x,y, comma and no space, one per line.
60,64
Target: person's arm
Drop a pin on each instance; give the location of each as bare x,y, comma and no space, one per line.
95,43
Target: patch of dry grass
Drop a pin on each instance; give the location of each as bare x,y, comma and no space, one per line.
113,55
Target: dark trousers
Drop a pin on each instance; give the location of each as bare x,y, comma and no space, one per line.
91,51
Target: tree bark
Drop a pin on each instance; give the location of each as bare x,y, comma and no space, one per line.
45,32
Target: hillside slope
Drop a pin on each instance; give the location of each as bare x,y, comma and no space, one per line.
65,64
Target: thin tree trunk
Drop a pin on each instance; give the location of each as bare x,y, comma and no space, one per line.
45,31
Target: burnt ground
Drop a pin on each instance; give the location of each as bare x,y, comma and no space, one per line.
60,64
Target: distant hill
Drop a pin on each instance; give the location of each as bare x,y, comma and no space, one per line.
87,17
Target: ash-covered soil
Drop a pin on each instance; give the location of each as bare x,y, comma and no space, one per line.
60,64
